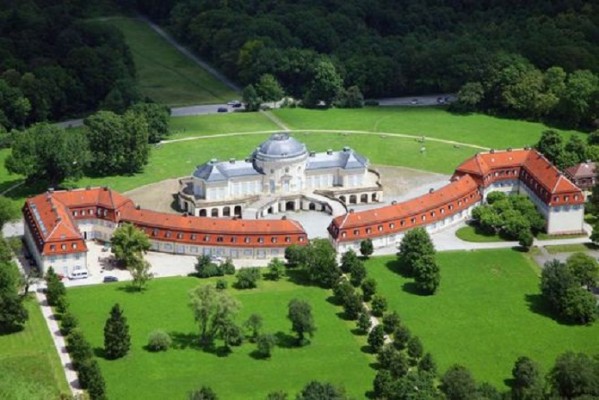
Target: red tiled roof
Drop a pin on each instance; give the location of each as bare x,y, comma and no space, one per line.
453,191
486,168
50,219
149,218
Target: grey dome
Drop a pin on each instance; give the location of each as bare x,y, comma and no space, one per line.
280,146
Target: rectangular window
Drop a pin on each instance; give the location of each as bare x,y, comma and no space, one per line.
219,239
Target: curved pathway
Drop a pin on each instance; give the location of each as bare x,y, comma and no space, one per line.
386,134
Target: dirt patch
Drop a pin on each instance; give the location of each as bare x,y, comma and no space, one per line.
159,196
398,183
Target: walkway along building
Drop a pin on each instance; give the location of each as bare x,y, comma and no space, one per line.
524,171
57,224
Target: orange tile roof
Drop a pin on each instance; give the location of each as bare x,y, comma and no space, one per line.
149,218
51,218
480,166
455,190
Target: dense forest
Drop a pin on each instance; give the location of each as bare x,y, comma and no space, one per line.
56,62
522,58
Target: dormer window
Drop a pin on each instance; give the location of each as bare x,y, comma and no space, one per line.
63,246
356,232
380,228
207,238
179,235
287,239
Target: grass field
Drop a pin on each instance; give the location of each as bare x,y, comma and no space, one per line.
31,353
569,248
180,158
486,314
434,122
236,122
472,234
166,75
334,355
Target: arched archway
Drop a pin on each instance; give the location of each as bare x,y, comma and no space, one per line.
353,199
364,198
312,206
342,199
374,197
227,211
203,212
214,212
290,206
237,211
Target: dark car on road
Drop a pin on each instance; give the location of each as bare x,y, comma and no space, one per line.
108,279
222,109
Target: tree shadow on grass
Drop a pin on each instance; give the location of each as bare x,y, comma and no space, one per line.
366,349
182,341
538,305
333,300
130,289
256,355
298,276
10,330
286,341
412,288
397,267
100,352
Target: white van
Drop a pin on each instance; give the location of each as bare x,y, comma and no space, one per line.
79,274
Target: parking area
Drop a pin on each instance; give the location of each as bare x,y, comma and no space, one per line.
100,263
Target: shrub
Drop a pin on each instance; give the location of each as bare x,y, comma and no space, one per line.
247,278
368,288
68,322
159,340
221,284
379,305
228,268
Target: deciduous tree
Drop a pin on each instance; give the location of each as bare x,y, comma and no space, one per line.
211,310
302,322
415,244
366,248
457,383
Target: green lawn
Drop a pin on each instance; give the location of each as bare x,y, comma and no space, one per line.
30,353
472,234
434,122
236,122
180,158
486,314
166,75
569,248
334,355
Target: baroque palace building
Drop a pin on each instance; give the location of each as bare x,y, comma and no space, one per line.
58,223
523,171
280,175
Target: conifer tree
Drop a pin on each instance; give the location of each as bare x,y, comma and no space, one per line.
116,334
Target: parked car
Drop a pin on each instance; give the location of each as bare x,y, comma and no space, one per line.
234,103
222,109
79,274
110,278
